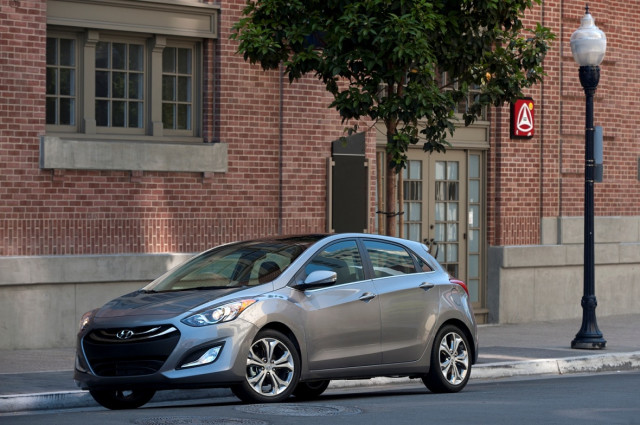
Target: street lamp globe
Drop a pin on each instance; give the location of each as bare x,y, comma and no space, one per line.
588,43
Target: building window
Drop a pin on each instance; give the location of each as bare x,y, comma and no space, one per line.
61,82
177,88
113,92
449,83
119,82
128,93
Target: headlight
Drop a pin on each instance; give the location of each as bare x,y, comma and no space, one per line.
86,320
223,313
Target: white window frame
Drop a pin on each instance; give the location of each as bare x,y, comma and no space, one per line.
73,128
196,83
152,128
90,73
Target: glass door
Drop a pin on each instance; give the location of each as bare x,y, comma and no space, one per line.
446,218
444,207
475,229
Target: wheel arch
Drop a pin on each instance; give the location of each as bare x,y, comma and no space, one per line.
463,327
288,332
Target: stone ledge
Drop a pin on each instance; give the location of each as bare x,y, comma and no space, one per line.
562,255
58,153
608,229
64,269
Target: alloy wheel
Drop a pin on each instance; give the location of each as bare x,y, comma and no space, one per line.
454,358
270,367
450,367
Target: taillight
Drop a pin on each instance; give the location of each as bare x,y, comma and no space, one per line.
461,283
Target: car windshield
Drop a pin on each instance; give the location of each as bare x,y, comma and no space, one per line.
235,265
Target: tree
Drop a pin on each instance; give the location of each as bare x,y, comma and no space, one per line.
382,59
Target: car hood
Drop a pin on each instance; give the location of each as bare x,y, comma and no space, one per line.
167,304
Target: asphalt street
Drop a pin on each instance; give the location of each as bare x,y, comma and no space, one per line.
603,398
42,379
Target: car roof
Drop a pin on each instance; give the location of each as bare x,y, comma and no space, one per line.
311,239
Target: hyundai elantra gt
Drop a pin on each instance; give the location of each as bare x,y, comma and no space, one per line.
272,318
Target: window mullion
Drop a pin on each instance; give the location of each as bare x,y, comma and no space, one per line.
89,82
155,71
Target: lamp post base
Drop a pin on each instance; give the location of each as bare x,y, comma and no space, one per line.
589,336
588,343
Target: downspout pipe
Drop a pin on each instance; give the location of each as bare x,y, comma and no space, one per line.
280,151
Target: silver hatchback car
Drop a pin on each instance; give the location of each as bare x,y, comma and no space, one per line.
277,317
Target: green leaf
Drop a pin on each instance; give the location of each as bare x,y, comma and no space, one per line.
371,44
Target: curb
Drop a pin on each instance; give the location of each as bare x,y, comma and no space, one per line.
581,364
82,399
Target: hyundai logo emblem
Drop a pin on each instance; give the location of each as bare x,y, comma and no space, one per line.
124,334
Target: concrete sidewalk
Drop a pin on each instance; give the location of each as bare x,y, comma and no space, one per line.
43,379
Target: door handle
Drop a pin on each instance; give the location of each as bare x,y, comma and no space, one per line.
426,285
367,296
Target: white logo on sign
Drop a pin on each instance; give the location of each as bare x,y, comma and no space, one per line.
525,120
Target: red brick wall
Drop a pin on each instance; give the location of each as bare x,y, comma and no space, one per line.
544,176
103,212
616,103
94,212
22,85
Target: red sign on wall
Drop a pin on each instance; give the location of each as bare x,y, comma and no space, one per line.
522,118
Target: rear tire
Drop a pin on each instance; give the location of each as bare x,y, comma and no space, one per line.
450,366
272,371
122,399
310,390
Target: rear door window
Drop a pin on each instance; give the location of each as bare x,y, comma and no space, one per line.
389,259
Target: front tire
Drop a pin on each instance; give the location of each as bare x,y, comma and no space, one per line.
122,399
272,371
450,366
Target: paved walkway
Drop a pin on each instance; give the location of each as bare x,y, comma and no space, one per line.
43,379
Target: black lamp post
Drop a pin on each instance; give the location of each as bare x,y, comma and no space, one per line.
588,46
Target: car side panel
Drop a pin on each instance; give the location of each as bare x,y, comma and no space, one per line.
342,330
408,314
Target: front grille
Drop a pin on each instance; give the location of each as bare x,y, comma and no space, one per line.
129,351
130,335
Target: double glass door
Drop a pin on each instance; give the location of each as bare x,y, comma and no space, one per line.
444,208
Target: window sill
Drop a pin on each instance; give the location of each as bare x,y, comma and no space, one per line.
75,154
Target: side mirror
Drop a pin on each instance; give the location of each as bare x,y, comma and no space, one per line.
317,279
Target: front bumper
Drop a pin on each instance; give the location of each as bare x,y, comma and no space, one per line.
158,362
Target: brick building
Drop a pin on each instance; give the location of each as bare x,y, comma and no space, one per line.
132,135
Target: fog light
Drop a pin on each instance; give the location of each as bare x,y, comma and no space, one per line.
207,357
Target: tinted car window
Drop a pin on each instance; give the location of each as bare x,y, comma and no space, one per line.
389,259
342,258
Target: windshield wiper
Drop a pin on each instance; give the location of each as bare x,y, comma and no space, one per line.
200,288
